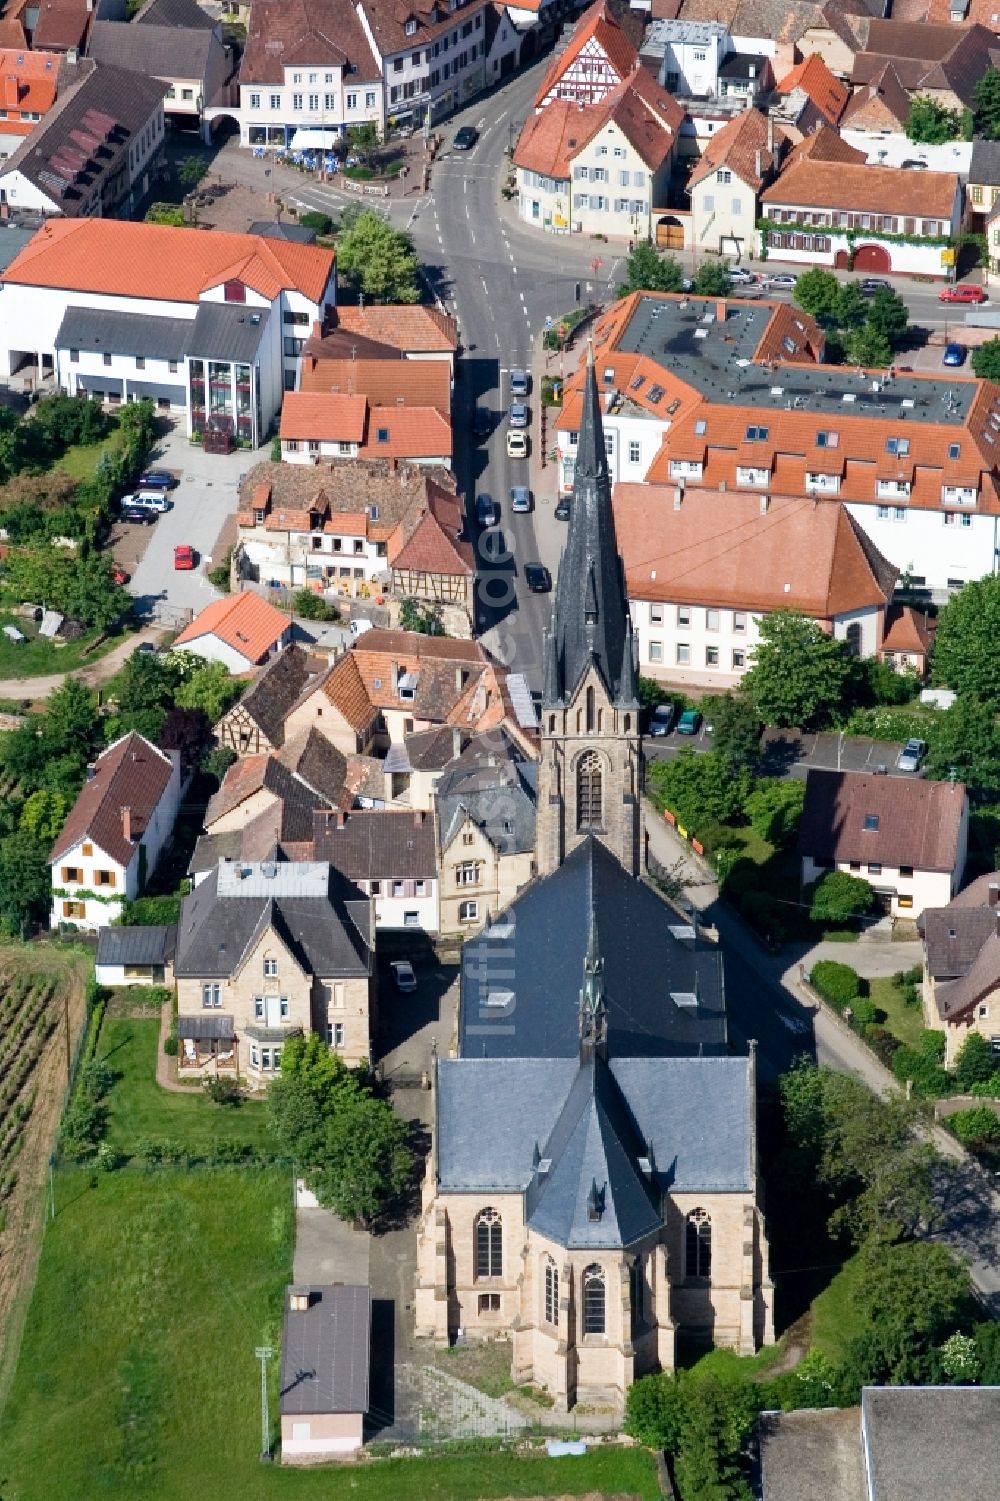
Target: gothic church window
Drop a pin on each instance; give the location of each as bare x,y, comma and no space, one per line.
551,1279
589,792
489,1244
593,1300
699,1244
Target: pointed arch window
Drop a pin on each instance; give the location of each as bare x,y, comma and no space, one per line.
489,1244
589,792
591,715
551,1291
593,1300
698,1257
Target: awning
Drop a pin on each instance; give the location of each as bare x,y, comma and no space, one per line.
108,384
205,1028
158,390
315,140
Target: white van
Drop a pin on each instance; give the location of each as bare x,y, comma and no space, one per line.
146,500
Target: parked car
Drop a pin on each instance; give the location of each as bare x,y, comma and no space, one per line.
482,422
156,479
964,292
146,649
185,557
911,755
520,383
782,282
689,722
954,354
741,276
520,500
487,510
146,500
873,284
517,443
562,509
661,720
466,138
537,577
403,977
914,164
518,415
359,625
138,515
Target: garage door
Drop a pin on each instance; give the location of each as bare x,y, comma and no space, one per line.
872,258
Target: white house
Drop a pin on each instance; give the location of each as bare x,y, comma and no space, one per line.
196,320
115,831
832,214
135,955
241,631
725,182
697,607
906,837
698,60
392,855
432,54
599,55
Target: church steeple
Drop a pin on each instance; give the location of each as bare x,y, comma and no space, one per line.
593,1005
590,621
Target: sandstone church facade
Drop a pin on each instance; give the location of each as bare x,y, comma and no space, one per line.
593,1189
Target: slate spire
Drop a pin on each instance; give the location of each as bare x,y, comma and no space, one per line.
590,620
593,1005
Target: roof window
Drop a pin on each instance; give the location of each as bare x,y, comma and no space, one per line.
871,823
758,434
700,428
954,450
655,393
827,440
899,446
637,382
382,436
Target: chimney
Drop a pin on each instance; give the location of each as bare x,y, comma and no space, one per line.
678,497
765,503
127,825
317,329
758,163
994,891
720,310
341,819
456,742
71,52
298,1300
418,818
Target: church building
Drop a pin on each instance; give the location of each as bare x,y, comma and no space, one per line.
592,1192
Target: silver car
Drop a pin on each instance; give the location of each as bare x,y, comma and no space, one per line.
518,414
520,499
519,383
911,756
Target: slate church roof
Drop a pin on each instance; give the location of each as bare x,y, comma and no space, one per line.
521,975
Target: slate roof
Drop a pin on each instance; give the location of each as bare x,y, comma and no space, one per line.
934,1441
323,919
108,106
299,234
918,822
159,49
651,973
174,13
136,945
495,786
424,750
280,684
325,1351
317,762
131,774
881,104
224,331
590,621
499,1120
984,168
107,331
377,844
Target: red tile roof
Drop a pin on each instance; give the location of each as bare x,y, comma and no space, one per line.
281,33
737,146
126,259
435,545
647,115
27,84
323,415
919,822
825,145
410,433
418,383
247,623
132,775
414,329
814,78
721,550
868,189
906,629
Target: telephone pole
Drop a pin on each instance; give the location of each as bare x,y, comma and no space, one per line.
263,1354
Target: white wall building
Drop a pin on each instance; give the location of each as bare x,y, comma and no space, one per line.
115,832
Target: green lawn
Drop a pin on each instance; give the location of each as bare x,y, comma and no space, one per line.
139,1107
137,1377
82,459
904,1022
38,656
834,1320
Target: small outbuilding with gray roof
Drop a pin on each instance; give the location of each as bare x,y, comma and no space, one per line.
325,1363
135,956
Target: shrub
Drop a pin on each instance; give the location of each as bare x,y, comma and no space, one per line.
313,606
976,1061
228,1151
866,1013
837,983
170,1046
989,1089
108,1158
224,1091
929,1078
883,1044
976,1127
321,223
149,1149
219,576
774,809
840,898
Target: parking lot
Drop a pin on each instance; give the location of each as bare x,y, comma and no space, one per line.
790,753
205,497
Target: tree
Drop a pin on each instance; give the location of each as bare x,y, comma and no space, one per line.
840,898
186,731
966,745
646,271
654,1410
312,606
142,694
364,1160
736,731
976,1062
869,348
774,809
44,814
931,123
25,888
977,1127
712,279
718,1419
888,315
965,656
818,293
210,687
379,260
960,1361
363,142
986,360
912,1298
191,170
700,789
987,111
798,673
416,616
852,307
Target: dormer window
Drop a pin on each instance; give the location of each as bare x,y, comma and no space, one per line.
235,291
410,26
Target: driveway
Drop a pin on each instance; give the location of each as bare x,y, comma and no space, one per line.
411,1027
203,501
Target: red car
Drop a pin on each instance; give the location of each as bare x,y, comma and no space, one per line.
964,293
185,557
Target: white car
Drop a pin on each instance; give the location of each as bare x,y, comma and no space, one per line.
402,974
784,281
741,276
359,625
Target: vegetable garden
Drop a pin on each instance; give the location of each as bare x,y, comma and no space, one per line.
27,1021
